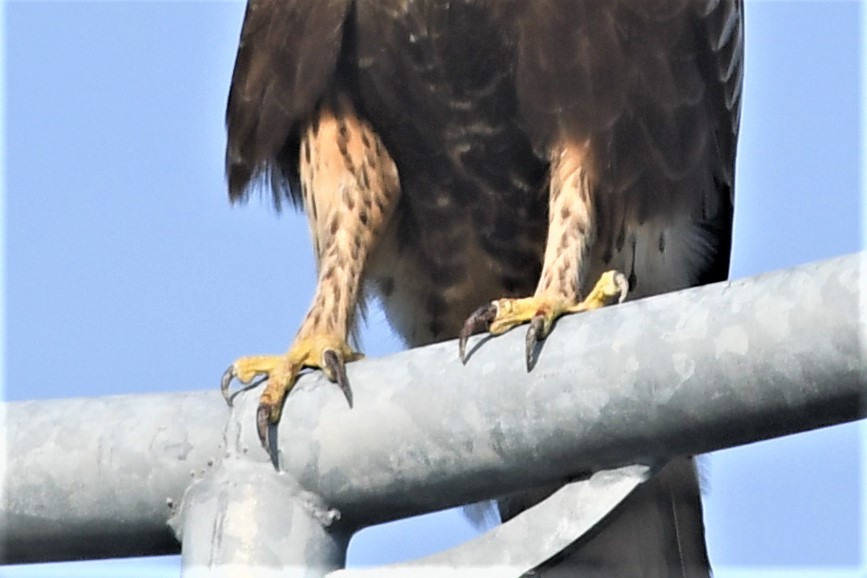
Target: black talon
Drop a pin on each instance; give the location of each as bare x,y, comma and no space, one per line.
267,431
226,382
272,445
337,368
535,334
481,318
263,414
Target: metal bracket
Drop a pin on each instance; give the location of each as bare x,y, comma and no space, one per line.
530,538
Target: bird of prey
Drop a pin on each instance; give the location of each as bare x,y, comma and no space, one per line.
480,164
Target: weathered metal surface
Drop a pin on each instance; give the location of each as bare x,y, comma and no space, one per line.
691,372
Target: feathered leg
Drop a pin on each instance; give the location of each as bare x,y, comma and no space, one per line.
350,188
571,230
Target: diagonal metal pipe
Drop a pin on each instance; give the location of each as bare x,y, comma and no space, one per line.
690,372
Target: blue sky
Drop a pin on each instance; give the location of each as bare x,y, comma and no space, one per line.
125,266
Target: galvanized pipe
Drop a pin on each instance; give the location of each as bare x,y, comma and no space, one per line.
98,477
690,372
242,519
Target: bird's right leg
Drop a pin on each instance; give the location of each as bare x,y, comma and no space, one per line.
350,188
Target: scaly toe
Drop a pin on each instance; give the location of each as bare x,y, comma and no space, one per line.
498,317
325,351
245,370
612,287
279,382
541,312
514,312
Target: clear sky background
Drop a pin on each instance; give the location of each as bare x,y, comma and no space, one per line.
127,271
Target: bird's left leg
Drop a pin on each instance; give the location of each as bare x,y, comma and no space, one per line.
350,188
571,231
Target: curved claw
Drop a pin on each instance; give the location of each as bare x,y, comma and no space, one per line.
622,285
226,382
481,318
267,430
336,367
535,333
262,414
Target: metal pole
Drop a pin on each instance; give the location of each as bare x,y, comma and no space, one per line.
98,477
242,519
690,372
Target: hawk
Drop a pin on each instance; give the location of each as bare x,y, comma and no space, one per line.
503,154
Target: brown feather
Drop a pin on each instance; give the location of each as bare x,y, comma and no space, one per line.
472,99
287,57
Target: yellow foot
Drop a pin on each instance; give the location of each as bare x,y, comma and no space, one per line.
501,315
280,372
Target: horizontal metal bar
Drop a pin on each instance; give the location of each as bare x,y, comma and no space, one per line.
98,477
689,372
683,373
